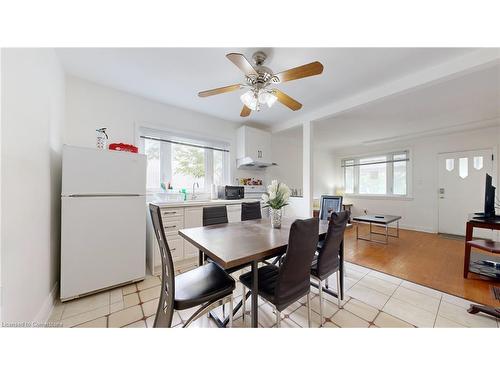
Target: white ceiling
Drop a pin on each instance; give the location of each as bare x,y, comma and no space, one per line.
175,75
469,100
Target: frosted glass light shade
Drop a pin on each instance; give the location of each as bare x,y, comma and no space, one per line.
249,100
267,98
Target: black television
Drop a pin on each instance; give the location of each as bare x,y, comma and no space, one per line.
489,198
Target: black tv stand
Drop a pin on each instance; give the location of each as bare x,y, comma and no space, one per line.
481,215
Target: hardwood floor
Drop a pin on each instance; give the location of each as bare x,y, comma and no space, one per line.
423,258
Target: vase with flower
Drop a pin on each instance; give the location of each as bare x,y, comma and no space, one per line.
276,198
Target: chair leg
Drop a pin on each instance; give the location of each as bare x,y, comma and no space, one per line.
278,318
244,302
230,324
309,309
338,289
320,289
206,308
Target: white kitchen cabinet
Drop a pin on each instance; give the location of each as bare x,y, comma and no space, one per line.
184,254
193,217
234,213
254,143
173,220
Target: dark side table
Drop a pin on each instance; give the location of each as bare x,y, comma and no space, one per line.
481,264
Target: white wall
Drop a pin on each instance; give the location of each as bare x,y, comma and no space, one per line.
421,211
287,153
1,121
323,173
32,119
90,105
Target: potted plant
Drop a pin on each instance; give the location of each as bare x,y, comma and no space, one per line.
276,198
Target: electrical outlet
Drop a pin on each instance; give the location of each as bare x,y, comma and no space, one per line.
365,211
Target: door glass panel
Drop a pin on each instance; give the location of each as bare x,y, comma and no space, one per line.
463,167
478,162
450,164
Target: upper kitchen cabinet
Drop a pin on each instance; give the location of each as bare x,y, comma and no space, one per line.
254,148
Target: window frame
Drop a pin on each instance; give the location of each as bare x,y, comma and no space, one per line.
166,152
355,160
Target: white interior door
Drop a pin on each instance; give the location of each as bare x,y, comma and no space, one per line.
461,188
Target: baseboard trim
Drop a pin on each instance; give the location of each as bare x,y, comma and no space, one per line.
418,229
47,307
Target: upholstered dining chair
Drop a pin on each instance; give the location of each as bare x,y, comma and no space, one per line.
329,204
213,215
250,211
290,281
327,260
207,286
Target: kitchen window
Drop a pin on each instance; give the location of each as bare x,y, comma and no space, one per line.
379,175
183,162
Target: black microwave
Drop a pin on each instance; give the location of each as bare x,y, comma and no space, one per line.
231,192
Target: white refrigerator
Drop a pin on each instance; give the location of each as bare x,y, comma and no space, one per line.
103,220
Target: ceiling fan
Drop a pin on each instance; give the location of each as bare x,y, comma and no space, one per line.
259,80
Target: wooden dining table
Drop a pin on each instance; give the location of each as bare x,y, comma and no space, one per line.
246,243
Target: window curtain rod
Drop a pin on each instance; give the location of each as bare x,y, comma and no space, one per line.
344,165
183,143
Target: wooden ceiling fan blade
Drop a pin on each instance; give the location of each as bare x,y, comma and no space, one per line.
242,63
287,100
219,90
245,111
299,72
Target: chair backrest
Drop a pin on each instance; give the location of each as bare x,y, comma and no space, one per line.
293,279
329,204
165,310
250,211
214,215
328,257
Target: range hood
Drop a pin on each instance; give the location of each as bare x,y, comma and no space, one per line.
249,163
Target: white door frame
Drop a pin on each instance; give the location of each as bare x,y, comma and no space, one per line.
494,172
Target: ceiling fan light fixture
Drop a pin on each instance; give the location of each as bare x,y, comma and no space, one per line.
250,100
259,80
267,98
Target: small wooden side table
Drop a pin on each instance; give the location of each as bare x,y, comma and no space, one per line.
489,246
483,245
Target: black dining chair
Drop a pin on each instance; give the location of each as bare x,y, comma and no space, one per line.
207,286
329,204
327,260
213,215
251,211
285,284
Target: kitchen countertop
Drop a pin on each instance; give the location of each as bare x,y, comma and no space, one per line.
194,203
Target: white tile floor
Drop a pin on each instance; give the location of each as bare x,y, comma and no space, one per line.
373,299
